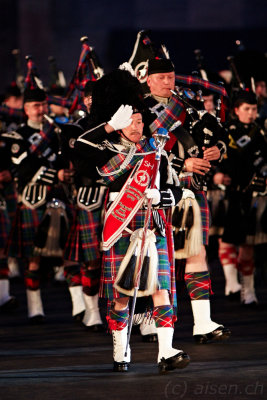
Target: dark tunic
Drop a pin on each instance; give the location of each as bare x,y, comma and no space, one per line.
246,158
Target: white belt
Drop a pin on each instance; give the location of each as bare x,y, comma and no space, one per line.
185,174
112,196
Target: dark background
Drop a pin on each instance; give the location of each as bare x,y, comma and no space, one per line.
54,27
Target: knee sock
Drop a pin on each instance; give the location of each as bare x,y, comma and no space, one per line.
90,280
199,288
247,268
228,258
32,279
164,319
118,324
4,282
72,275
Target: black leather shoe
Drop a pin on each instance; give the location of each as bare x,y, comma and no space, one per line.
121,366
95,328
11,305
180,360
151,338
78,317
233,296
219,334
37,320
252,305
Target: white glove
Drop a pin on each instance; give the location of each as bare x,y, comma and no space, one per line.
122,117
153,194
188,194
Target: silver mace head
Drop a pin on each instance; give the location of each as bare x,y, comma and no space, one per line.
161,137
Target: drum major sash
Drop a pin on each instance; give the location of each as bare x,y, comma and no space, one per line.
128,201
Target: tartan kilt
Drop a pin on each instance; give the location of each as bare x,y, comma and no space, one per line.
4,228
83,243
10,194
113,257
22,234
201,198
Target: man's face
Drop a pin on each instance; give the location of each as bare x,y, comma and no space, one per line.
87,100
134,131
261,89
35,110
14,102
161,84
209,103
246,113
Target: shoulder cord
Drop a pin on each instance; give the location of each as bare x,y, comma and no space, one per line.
127,160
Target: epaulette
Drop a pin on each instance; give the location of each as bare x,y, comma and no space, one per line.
12,135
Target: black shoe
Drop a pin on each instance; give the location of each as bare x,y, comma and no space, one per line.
233,296
37,320
78,317
135,330
252,305
121,366
180,360
150,338
11,305
219,334
95,328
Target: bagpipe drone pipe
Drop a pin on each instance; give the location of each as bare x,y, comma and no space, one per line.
201,130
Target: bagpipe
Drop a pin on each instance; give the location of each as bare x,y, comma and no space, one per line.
247,66
57,78
20,80
200,130
88,69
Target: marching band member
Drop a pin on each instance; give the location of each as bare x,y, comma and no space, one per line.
245,168
82,252
7,302
34,154
161,82
125,161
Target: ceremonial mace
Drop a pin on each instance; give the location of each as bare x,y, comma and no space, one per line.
160,139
